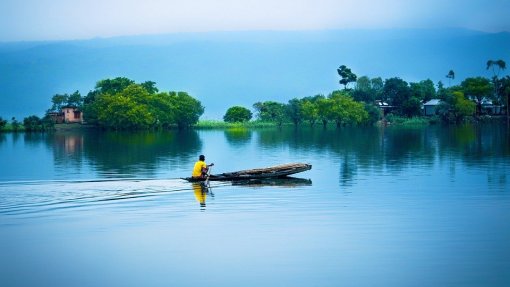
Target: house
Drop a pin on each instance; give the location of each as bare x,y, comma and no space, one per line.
72,115
67,114
488,107
429,108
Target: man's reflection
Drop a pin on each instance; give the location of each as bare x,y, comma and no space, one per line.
200,190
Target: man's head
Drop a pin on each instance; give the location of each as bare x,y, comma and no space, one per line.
201,157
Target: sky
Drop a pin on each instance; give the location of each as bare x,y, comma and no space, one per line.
29,20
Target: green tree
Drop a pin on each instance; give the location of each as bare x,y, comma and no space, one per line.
150,86
163,108
424,90
373,113
497,66
74,99
58,101
271,112
188,109
121,103
294,111
113,86
363,92
504,92
377,87
324,110
33,123
237,114
455,107
450,76
310,110
346,75
344,110
125,110
399,94
477,89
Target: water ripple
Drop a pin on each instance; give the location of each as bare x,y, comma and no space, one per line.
29,197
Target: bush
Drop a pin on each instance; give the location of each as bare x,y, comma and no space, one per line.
397,120
237,114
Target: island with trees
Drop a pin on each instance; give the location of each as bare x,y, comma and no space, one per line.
123,104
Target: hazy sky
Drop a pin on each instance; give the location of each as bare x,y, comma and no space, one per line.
79,19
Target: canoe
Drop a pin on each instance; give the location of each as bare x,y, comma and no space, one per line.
278,171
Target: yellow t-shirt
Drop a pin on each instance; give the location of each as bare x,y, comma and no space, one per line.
197,169
200,194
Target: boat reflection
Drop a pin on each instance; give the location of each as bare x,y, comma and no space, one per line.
201,189
274,182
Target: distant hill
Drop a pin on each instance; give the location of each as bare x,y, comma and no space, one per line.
239,68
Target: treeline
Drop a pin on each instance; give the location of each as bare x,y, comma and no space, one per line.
31,123
370,98
120,103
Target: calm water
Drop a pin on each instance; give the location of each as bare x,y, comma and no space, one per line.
381,207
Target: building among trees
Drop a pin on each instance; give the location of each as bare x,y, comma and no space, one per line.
68,114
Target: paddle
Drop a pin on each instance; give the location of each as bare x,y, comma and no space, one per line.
208,174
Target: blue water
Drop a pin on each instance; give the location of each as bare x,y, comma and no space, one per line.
394,207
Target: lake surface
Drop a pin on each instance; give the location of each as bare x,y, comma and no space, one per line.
380,207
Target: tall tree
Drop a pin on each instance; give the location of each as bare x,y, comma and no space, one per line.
400,95
363,91
294,111
377,87
497,66
59,101
450,76
271,111
346,75
75,99
504,91
477,89
310,108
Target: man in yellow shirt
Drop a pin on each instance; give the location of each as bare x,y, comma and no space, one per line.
201,168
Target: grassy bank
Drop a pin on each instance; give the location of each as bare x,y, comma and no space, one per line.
414,121
212,124
9,128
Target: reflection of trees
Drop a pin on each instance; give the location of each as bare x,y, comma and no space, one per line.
238,136
396,149
480,146
132,153
123,153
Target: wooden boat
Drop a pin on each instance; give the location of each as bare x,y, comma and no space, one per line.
278,171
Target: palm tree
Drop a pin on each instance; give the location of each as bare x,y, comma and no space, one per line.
500,64
450,76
